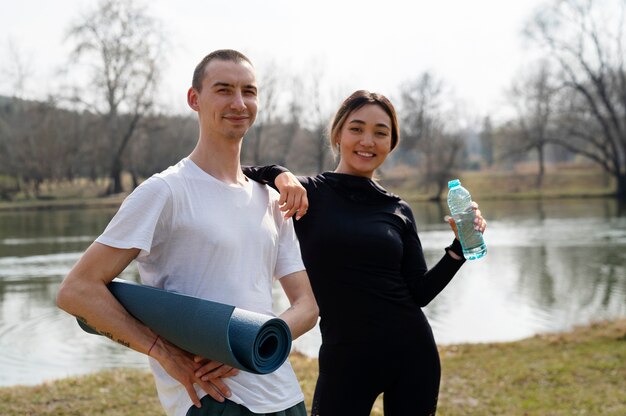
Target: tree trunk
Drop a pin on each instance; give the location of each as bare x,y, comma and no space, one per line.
542,168
116,178
621,186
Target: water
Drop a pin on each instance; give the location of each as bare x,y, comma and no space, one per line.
459,202
552,265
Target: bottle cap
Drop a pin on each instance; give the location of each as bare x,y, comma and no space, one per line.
453,183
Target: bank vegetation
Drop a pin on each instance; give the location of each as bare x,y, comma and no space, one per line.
581,372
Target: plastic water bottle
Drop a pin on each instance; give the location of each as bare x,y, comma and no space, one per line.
460,204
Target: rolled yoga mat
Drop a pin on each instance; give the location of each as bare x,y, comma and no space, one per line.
247,340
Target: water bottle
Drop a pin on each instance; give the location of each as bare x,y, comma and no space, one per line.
460,204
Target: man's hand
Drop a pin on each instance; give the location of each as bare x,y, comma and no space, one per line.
188,369
213,371
293,198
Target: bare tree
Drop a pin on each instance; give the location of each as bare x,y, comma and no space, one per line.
420,104
162,142
487,144
270,93
17,70
120,43
33,142
585,38
319,122
428,141
292,123
533,98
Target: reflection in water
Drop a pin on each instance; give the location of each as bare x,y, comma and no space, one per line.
550,265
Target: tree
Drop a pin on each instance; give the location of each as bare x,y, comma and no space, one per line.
320,118
428,141
533,98
120,43
585,39
17,70
270,94
487,142
33,141
420,104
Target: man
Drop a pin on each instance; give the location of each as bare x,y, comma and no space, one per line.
203,229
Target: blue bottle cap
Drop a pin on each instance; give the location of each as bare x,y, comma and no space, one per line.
453,183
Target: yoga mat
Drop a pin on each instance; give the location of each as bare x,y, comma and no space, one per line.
247,340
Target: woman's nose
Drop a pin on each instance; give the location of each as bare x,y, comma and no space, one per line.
367,140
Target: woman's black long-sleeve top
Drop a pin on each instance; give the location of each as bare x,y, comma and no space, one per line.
364,259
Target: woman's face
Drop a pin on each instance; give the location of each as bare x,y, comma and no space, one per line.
364,141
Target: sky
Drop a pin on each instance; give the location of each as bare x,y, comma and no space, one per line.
475,47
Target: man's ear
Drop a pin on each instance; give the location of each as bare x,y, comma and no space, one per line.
192,99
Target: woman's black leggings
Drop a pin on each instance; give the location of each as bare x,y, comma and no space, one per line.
351,377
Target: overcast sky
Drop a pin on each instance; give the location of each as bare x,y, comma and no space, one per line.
475,47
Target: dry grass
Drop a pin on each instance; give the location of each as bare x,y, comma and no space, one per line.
582,372
522,184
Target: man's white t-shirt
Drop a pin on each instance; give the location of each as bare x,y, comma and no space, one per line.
201,237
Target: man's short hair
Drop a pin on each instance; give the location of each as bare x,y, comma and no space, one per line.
220,54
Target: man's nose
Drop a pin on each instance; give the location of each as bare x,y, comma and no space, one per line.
238,102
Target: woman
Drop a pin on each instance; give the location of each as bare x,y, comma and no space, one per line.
361,250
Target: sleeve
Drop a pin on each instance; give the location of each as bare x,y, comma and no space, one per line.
425,284
142,216
264,174
289,259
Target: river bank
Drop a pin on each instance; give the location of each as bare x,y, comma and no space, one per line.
564,182
582,371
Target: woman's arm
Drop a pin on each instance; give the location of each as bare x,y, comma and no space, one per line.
293,197
425,284
264,174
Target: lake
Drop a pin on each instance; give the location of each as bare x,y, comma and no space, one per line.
550,265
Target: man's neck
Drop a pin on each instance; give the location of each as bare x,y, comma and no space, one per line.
220,159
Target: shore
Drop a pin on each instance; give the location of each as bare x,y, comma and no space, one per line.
582,371
564,182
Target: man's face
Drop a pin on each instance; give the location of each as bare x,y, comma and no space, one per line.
227,104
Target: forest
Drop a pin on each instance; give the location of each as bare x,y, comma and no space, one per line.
568,106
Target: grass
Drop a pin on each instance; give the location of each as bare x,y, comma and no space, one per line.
581,372
564,182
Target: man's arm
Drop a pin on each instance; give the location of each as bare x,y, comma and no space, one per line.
84,294
302,315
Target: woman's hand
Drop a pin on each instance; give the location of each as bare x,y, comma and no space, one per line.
293,198
480,224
